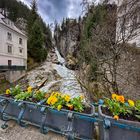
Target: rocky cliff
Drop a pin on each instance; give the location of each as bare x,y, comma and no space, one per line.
67,38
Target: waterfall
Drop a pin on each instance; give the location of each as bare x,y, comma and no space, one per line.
69,83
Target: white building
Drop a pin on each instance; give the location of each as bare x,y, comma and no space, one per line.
13,50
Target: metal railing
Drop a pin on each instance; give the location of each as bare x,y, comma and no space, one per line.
5,67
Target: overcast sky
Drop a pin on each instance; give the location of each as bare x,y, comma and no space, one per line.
56,10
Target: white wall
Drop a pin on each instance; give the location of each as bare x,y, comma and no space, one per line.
15,61
16,57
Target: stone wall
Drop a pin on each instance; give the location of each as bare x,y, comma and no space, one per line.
68,38
13,76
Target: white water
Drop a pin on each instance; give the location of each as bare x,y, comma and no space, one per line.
69,83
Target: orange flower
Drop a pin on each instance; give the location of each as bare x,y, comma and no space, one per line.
116,117
121,98
70,106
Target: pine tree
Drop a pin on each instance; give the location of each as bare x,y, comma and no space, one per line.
35,36
33,16
36,49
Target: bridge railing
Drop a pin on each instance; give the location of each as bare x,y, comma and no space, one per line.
13,67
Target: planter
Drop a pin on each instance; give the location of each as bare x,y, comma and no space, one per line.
69,123
111,129
8,108
20,111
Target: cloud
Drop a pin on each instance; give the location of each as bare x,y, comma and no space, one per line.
56,10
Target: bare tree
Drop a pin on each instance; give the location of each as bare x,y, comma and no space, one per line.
119,26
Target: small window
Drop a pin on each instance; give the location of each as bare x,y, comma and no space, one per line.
9,49
9,62
20,50
9,36
20,41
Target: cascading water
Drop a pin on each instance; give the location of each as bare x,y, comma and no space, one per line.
69,83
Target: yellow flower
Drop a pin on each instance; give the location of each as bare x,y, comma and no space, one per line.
8,91
67,98
52,100
116,117
29,89
59,107
81,97
114,96
131,103
57,94
49,101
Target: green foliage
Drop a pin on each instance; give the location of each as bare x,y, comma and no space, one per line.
77,104
15,9
35,43
39,95
137,107
58,100
38,33
119,106
116,107
23,96
95,18
16,90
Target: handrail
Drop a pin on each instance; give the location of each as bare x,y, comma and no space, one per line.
13,67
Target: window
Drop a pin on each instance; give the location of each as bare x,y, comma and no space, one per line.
9,62
20,41
9,36
9,49
20,50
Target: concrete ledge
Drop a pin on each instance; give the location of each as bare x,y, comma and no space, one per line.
13,76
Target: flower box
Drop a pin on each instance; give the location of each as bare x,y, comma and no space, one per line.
20,111
70,123
111,129
65,122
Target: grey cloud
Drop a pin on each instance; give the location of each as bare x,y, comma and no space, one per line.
51,10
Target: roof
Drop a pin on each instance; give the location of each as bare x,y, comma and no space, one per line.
12,27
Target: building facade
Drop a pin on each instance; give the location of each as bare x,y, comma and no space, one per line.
13,50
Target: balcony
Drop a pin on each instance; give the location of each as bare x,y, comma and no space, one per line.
13,68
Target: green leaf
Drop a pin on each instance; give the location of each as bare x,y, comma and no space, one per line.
138,116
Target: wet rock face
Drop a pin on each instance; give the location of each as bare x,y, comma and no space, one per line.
71,62
67,42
